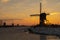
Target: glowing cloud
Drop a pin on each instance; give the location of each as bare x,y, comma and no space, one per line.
44,4
54,13
4,1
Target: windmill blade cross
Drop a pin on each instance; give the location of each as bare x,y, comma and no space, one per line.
35,15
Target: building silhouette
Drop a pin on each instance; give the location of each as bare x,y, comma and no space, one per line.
4,24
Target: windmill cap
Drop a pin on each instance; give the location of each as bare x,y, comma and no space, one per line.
45,13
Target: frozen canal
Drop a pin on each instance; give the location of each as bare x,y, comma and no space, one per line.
18,33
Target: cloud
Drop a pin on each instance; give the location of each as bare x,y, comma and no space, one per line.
5,1
44,5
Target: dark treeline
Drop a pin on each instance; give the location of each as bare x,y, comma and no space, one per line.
12,25
38,25
46,25
51,25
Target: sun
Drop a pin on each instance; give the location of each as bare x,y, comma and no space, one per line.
45,21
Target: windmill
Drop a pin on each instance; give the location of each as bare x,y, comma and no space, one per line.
42,16
43,28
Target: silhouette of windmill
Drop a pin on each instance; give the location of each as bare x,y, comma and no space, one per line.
42,16
42,29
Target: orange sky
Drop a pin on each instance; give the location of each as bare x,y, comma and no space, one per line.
22,9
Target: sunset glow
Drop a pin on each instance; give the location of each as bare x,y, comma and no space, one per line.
22,9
